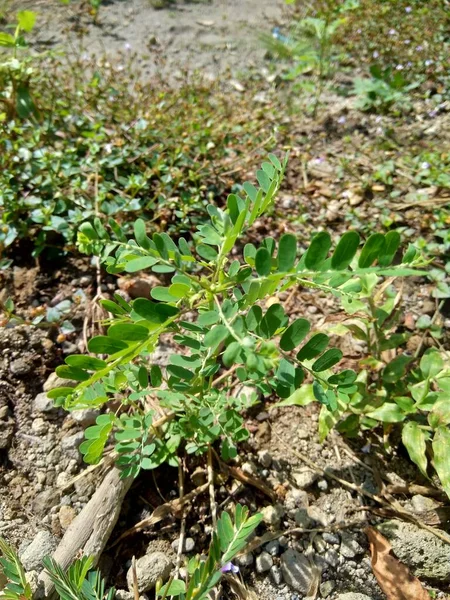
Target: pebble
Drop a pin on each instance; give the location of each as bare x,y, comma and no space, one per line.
304,478
20,366
43,545
66,515
326,588
332,558
264,562
276,575
43,404
320,516
44,501
39,426
297,571
245,560
272,515
188,546
331,538
349,546
71,442
265,458
273,547
85,416
150,568
322,484
302,519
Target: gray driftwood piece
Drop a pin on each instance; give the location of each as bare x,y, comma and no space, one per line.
90,530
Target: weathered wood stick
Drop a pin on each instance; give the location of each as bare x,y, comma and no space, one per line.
90,530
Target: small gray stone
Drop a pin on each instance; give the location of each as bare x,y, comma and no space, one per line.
331,538
72,442
422,503
296,499
264,562
297,571
319,544
44,501
317,514
188,546
39,426
304,478
326,588
85,416
332,558
272,547
43,404
20,366
149,569
54,381
349,546
265,458
276,575
302,519
419,549
43,545
322,484
272,515
244,560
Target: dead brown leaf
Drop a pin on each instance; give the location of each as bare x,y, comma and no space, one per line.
393,577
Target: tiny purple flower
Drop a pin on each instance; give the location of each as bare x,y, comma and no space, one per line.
127,46
399,67
319,159
376,54
366,449
409,64
358,30
378,119
419,48
425,165
433,113
428,62
229,568
392,32
341,120
407,42
408,9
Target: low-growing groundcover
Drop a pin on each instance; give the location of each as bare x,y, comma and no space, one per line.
103,149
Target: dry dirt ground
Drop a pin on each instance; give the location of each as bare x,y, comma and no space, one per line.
207,37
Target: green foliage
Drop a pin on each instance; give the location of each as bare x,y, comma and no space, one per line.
79,582
15,74
384,90
103,149
17,587
230,329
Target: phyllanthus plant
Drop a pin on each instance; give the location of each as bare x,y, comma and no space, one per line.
214,309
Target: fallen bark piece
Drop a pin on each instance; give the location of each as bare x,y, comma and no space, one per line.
393,577
90,530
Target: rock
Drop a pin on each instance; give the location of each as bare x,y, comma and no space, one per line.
332,558
297,571
265,458
304,478
264,562
138,287
43,404
245,560
66,515
33,579
422,503
272,547
352,596
21,366
272,515
331,538
85,416
44,501
427,555
63,479
317,514
53,381
150,568
72,442
6,433
276,575
349,546
302,519
322,484
188,546
296,499
43,545
39,426
326,588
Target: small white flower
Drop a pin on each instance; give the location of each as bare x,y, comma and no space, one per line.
127,46
425,165
408,9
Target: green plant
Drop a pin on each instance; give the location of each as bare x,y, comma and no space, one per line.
80,582
212,310
15,74
395,388
229,538
383,91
